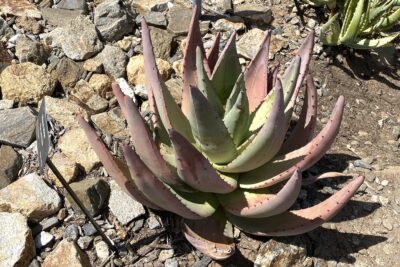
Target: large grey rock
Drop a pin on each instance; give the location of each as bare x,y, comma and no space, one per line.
162,42
16,247
26,83
59,17
124,207
31,51
67,253
17,126
254,13
10,164
114,61
93,193
67,72
112,20
79,39
31,196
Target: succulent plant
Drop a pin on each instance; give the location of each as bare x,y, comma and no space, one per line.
362,24
225,157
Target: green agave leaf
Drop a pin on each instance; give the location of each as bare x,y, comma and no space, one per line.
170,113
265,144
213,53
209,129
330,31
390,21
289,80
257,118
374,43
281,167
298,221
352,21
227,70
205,84
196,171
212,236
237,112
115,168
188,205
256,74
262,203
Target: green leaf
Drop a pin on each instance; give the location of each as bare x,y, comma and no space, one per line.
374,43
352,21
330,31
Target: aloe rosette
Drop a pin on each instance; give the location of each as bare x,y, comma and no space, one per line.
224,157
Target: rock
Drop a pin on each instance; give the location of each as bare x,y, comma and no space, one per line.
71,232
31,51
45,225
66,166
17,126
175,86
171,263
19,8
135,69
93,65
67,253
68,73
123,206
162,42
112,123
16,247
80,40
64,111
125,44
88,229
43,239
85,241
5,30
178,67
74,141
92,192
254,13
10,164
165,254
179,19
86,95
221,6
31,196
230,24
112,20
29,24
26,83
101,83
6,104
153,222
102,250
250,42
72,4
362,164
60,17
146,5
155,19
114,61
274,253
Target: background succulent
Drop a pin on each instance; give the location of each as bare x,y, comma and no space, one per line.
362,24
222,157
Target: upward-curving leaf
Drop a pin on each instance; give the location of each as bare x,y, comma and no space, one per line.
213,52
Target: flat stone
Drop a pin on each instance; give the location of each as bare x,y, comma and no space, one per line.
6,104
101,83
45,225
17,126
72,4
162,42
29,24
26,83
64,111
135,69
66,166
150,5
156,19
230,24
68,73
60,17
250,42
179,19
31,196
10,164
112,20
254,13
19,8
123,206
31,51
110,123
17,247
67,253
43,239
113,60
75,140
92,192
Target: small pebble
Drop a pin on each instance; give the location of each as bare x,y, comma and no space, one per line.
88,229
84,242
71,232
43,239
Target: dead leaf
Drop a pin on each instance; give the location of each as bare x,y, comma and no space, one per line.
19,8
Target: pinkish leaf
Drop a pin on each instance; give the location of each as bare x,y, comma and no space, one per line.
299,221
256,74
282,167
213,52
313,179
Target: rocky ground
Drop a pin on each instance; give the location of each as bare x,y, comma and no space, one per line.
69,52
